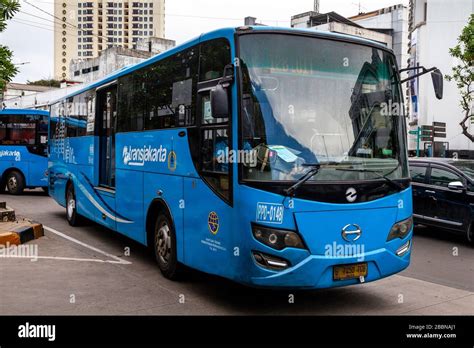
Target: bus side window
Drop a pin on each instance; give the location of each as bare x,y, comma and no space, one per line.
215,55
214,144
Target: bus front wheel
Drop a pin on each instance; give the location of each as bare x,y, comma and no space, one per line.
73,218
15,183
165,248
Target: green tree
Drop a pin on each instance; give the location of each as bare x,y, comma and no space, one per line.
463,73
8,8
45,83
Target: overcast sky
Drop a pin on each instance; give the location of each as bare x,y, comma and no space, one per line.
31,38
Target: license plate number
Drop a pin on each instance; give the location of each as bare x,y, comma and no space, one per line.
346,272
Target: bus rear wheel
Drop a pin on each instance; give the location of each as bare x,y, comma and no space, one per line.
165,248
15,183
73,218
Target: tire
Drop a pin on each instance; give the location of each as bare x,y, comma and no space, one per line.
164,247
15,183
470,234
45,190
73,218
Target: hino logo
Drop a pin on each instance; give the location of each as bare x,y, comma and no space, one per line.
351,195
351,233
137,157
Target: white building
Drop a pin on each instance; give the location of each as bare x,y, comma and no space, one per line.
435,26
388,26
392,21
18,90
115,58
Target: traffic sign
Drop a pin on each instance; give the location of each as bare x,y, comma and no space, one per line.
427,133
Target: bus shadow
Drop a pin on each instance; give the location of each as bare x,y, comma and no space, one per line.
234,298
26,192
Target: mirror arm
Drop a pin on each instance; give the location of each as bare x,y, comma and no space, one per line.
228,78
424,72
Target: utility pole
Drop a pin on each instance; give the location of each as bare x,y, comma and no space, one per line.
316,6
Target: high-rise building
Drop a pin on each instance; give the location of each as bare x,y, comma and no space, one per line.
83,28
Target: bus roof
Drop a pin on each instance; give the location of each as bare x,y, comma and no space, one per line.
23,112
216,34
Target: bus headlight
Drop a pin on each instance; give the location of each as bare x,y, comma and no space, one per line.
400,229
277,239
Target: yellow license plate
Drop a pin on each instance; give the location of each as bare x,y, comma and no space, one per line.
350,271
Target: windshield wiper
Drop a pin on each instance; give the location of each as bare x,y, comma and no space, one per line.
391,182
314,170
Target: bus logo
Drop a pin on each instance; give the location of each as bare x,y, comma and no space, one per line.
351,195
213,223
172,161
137,157
351,233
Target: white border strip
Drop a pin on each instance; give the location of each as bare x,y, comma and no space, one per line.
117,260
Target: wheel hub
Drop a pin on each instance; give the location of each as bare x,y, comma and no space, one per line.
12,183
71,205
163,243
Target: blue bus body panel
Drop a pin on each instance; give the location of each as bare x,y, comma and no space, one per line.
32,166
23,112
320,226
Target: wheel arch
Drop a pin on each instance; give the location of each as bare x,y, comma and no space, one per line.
7,171
157,206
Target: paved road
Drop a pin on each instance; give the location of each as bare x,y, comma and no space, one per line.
84,271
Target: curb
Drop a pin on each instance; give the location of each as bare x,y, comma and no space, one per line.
19,232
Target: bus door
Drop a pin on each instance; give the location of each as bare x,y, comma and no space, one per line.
208,215
107,121
207,223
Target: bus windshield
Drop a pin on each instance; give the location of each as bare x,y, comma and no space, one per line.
316,102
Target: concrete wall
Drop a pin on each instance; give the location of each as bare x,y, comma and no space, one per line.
397,21
444,23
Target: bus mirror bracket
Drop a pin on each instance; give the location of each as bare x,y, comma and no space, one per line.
220,95
436,76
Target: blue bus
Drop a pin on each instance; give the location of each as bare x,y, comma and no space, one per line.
259,154
23,149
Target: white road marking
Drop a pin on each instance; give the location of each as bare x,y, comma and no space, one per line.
34,258
118,260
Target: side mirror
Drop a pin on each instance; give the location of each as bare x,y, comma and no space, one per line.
456,185
438,83
219,102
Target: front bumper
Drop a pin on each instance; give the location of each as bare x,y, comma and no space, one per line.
316,271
